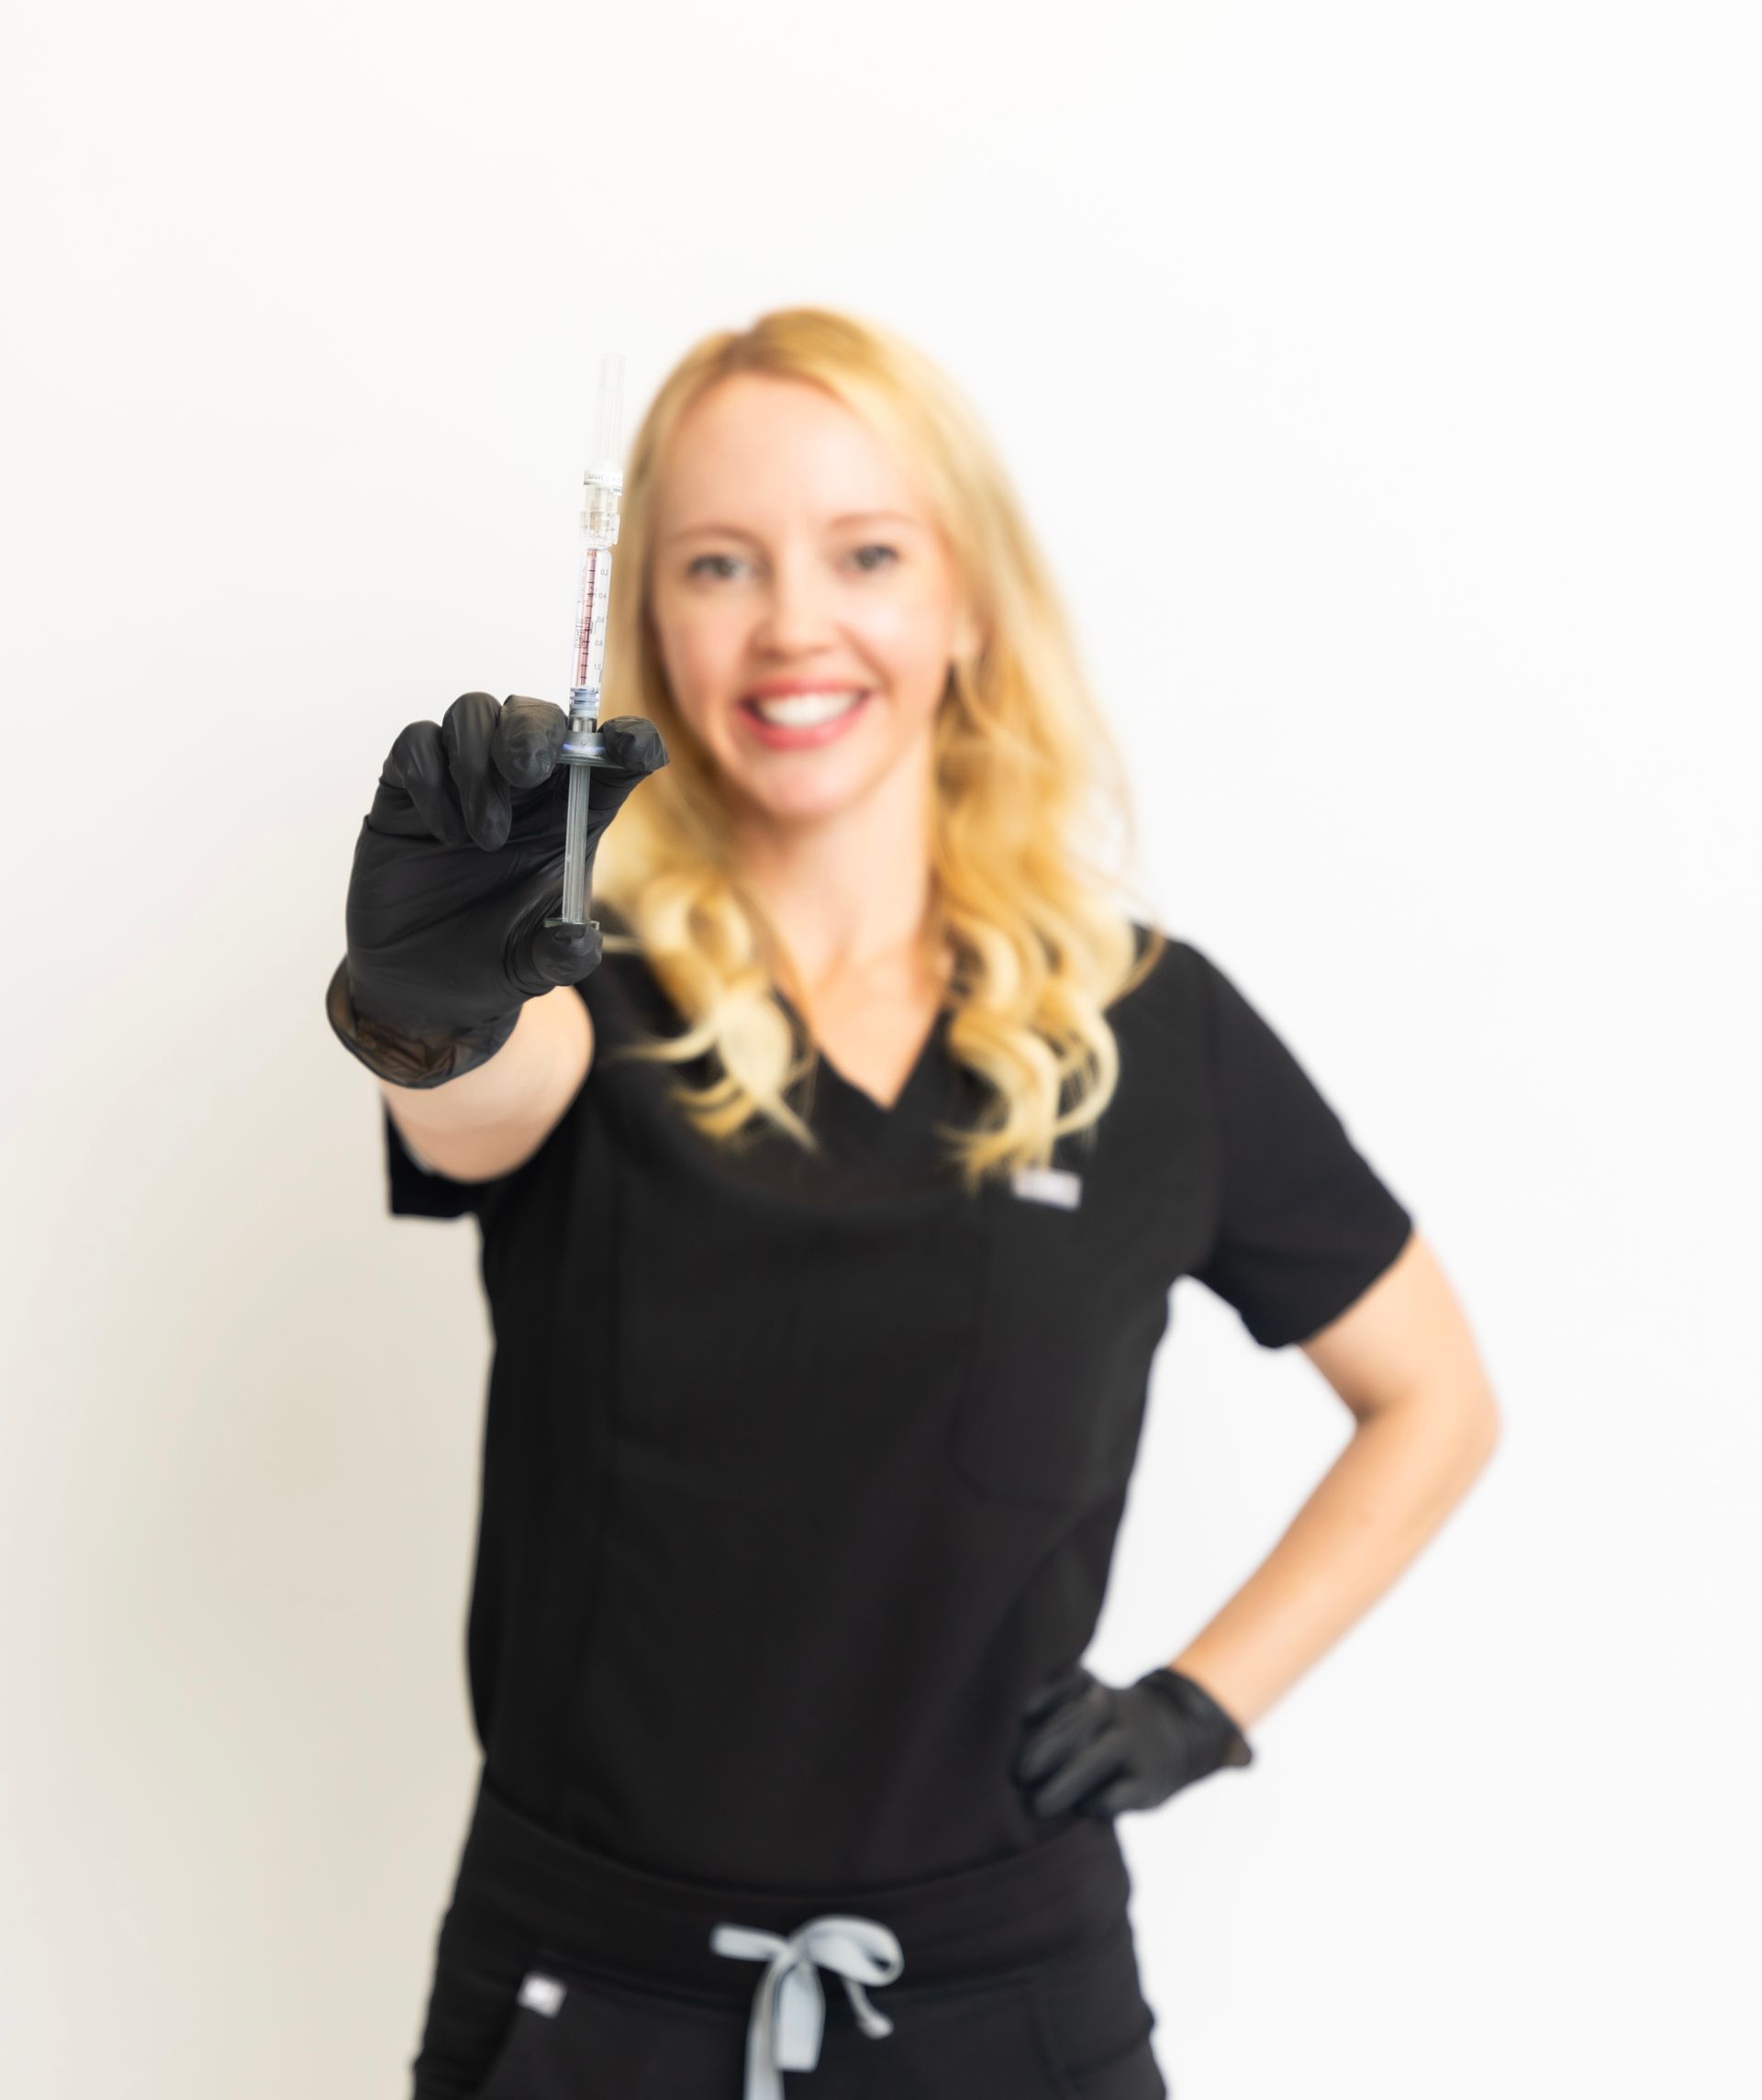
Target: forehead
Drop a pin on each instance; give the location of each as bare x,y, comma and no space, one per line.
757,450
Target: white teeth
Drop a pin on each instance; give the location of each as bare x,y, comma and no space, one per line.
801,711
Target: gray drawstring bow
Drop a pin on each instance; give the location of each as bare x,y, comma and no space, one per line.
789,2008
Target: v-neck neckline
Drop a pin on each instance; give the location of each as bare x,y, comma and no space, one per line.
861,1104
898,1139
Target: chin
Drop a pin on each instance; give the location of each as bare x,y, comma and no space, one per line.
804,800
816,809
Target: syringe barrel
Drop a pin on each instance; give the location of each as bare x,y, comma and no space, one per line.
603,485
593,601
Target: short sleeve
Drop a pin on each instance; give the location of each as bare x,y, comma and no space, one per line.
1305,1223
416,1190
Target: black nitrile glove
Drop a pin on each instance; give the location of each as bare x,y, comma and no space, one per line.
457,866
1100,1749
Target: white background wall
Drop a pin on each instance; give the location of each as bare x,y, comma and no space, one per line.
1383,382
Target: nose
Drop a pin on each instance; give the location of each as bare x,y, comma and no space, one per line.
796,614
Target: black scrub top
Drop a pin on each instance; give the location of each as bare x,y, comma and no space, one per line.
798,1475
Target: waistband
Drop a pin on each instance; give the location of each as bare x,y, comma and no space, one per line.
521,1887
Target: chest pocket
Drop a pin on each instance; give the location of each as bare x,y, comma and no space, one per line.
1073,1303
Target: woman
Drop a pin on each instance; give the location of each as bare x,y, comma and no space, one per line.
830,1201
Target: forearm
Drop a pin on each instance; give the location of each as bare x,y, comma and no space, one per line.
481,1122
1389,1491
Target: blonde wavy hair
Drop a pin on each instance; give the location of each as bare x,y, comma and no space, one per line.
1024,772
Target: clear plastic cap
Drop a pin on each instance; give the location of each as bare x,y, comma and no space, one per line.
606,463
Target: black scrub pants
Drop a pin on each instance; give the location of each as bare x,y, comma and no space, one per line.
563,1974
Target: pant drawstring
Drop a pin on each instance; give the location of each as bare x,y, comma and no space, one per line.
789,2016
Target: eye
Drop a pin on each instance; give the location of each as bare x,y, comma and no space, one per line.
890,555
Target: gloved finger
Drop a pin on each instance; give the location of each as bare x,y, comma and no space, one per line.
633,749
1096,1764
467,729
415,798
1061,1687
1062,1732
528,740
1131,1790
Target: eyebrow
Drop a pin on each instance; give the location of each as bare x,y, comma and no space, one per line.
739,532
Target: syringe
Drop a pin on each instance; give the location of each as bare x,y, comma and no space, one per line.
581,746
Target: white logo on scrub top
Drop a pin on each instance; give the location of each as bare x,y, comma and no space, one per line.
1048,1184
543,1993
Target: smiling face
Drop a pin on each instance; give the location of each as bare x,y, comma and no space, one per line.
793,557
